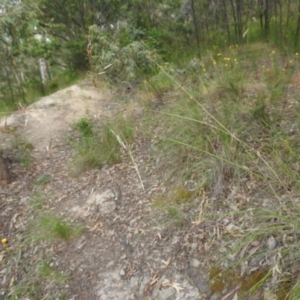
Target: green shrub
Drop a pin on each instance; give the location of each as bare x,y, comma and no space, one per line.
117,63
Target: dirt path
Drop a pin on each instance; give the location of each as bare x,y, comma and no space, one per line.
125,251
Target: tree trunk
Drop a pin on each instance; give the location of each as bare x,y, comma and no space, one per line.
239,18
267,17
10,85
196,29
288,14
226,20
234,20
261,9
280,21
298,26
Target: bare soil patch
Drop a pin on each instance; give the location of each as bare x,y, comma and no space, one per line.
45,122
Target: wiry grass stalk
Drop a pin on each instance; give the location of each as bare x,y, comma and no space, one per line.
126,147
222,127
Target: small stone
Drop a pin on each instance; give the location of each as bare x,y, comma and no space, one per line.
175,240
132,222
24,199
104,200
72,267
166,294
226,221
194,246
155,292
195,263
255,243
110,264
81,242
144,282
134,282
272,243
122,273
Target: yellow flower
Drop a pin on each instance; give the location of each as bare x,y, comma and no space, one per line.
4,241
225,65
273,52
296,53
219,54
204,70
214,62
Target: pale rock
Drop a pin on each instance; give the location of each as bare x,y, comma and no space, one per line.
194,246
134,282
110,264
195,263
166,294
104,200
271,243
122,273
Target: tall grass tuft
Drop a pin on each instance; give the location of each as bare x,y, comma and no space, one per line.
237,131
97,145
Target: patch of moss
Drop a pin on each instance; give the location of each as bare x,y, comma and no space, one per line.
221,280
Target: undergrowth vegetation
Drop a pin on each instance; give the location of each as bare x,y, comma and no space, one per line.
42,232
98,144
229,135
130,61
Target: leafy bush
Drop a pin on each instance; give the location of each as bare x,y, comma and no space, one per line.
119,63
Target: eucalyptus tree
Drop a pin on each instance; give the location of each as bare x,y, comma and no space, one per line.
16,31
67,22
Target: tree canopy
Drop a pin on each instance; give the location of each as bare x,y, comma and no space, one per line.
59,32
